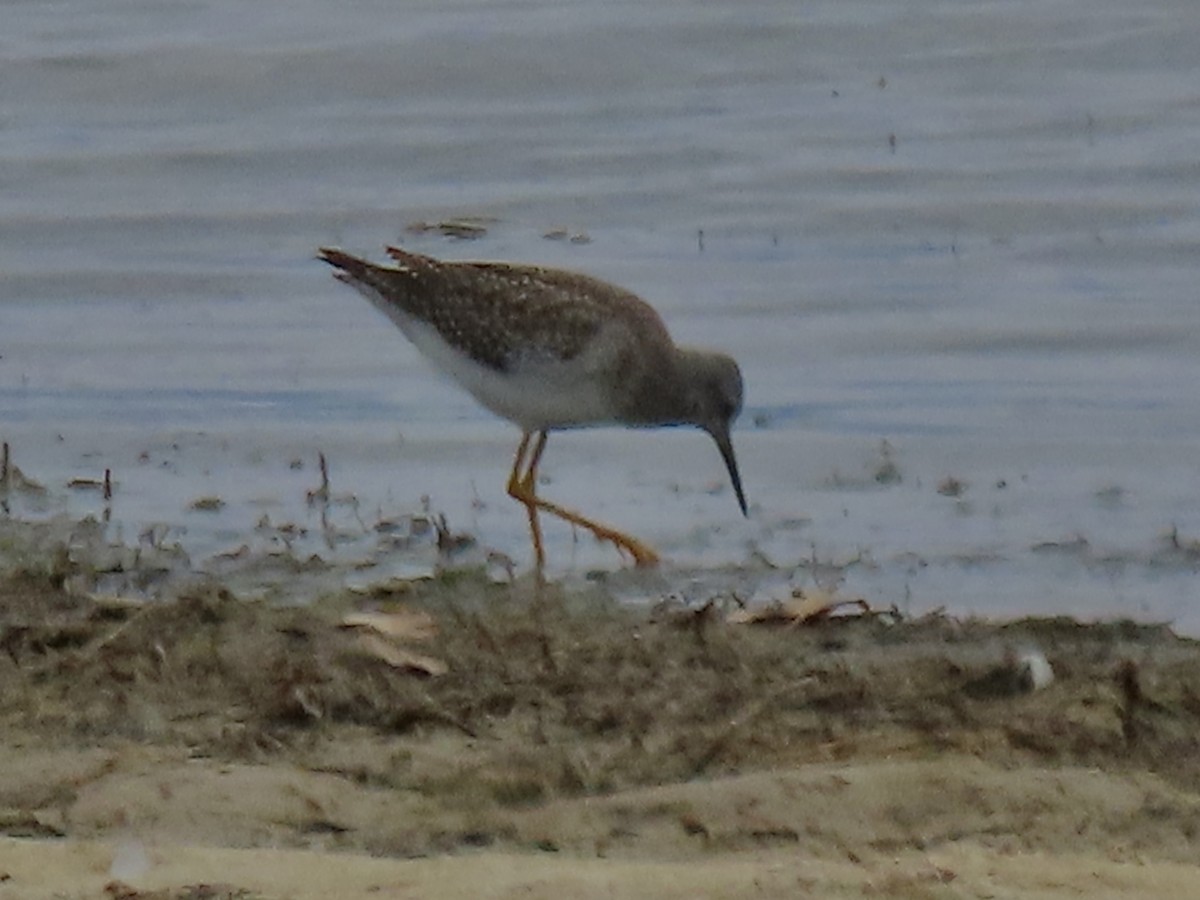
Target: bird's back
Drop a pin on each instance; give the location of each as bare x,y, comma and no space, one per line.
499,314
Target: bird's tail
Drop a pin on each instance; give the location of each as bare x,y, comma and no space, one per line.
356,271
396,291
408,261
351,269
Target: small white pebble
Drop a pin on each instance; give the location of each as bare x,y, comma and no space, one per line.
131,861
1035,668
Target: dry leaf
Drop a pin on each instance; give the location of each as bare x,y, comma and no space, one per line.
800,609
399,658
403,625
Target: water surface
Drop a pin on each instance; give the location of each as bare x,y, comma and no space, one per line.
968,230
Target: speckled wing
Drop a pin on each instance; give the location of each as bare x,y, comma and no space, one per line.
504,315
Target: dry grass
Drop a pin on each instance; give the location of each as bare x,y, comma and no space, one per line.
576,725
568,696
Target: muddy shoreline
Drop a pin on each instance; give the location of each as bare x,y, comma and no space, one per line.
457,718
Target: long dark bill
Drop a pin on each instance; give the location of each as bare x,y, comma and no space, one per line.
725,445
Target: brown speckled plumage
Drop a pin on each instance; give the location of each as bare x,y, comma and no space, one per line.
500,313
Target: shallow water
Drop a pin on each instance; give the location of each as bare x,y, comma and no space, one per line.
970,230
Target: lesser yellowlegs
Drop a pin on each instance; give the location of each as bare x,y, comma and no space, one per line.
550,349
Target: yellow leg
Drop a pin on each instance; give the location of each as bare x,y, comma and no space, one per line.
519,487
522,486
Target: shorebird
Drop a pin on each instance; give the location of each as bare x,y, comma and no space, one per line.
550,349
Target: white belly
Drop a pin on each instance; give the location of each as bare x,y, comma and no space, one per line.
536,396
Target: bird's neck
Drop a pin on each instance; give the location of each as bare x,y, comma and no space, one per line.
664,396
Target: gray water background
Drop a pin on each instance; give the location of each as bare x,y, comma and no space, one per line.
970,230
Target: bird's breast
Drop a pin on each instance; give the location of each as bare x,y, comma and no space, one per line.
536,394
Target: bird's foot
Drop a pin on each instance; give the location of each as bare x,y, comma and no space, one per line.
644,557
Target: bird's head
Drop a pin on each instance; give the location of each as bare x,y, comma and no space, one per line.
714,400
